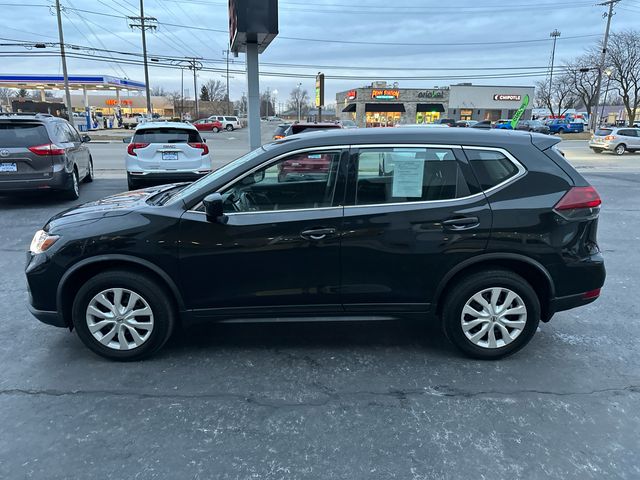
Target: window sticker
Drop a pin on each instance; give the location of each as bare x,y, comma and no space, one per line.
407,178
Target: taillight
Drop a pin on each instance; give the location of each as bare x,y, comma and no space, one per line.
201,146
591,294
610,137
48,149
131,149
278,137
579,203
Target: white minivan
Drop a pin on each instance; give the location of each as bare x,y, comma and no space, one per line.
166,152
229,122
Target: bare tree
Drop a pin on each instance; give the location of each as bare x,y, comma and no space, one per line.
582,74
158,91
217,90
5,95
176,99
22,93
560,97
623,58
299,100
241,105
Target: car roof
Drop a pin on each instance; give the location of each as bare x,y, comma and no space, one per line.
435,136
180,125
29,117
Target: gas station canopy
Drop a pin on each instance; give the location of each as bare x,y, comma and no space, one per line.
76,82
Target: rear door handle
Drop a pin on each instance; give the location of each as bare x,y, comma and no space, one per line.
463,223
317,233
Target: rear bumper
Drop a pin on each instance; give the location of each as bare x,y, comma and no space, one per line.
602,146
165,177
55,181
560,304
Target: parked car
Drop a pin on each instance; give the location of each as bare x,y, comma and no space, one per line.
443,231
42,152
503,124
296,128
562,125
617,140
229,123
164,152
422,125
533,126
348,124
447,121
280,131
485,124
466,123
206,125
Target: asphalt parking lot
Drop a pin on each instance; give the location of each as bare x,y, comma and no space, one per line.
379,400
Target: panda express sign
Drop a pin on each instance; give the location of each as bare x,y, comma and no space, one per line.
501,97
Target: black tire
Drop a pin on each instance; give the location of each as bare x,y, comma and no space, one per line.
229,128
215,129
462,291
72,191
620,149
597,150
89,176
155,295
561,130
132,184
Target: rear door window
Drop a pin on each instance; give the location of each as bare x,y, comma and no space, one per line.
627,133
167,135
404,174
13,135
491,167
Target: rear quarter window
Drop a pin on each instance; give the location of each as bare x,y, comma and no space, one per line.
167,135
491,167
13,135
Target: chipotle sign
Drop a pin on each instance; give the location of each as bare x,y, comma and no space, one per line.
501,97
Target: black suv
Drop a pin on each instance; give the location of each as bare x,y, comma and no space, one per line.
42,152
490,232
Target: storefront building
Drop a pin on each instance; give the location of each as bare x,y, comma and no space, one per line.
384,105
487,102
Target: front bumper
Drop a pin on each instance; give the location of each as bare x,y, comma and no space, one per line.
50,318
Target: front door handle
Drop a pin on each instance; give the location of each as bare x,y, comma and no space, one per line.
317,233
462,223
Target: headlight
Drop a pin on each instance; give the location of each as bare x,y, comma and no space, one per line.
42,241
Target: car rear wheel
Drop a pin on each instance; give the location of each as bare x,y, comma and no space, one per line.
620,149
123,315
229,128
561,130
132,184
491,314
89,176
72,192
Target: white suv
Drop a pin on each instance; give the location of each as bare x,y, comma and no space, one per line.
164,152
229,123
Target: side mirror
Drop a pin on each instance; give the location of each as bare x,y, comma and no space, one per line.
86,138
213,207
126,139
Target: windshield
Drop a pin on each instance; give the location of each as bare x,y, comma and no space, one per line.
213,176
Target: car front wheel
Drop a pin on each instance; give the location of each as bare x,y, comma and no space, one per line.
491,314
597,150
123,315
89,176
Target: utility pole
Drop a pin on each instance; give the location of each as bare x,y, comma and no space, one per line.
603,56
181,93
226,52
555,34
67,93
150,25
299,100
195,65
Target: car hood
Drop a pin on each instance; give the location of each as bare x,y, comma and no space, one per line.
112,206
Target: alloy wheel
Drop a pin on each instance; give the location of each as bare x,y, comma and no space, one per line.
76,183
620,149
493,317
119,318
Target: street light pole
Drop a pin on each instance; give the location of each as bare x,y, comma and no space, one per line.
555,34
67,93
603,56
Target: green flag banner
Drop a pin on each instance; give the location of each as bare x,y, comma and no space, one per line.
520,112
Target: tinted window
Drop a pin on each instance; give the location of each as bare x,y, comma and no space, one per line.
167,135
62,133
73,133
627,133
231,119
393,175
22,135
491,168
310,128
281,129
303,180
603,132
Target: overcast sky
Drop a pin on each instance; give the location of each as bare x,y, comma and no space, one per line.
414,23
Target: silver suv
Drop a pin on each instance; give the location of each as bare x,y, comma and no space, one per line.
165,152
42,152
616,139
